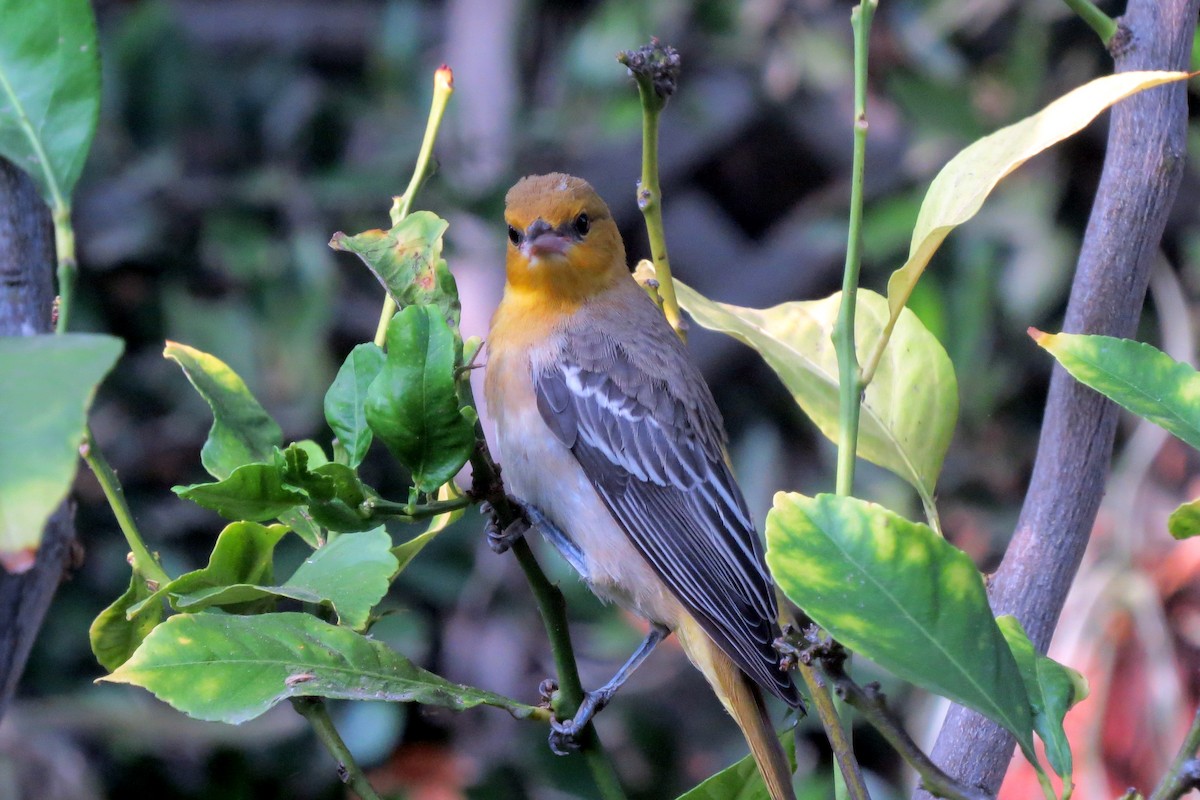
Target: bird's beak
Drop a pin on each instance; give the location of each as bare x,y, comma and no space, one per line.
541,240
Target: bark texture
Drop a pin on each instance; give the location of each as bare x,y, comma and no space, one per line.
1143,166
26,303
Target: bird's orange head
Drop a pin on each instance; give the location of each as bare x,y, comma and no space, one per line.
563,245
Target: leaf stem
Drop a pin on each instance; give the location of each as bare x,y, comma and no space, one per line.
144,561
655,69
487,486
316,712
1184,773
443,87
1101,23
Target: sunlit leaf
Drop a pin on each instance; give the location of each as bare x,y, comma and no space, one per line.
408,261
49,90
1053,690
1141,378
115,635
902,596
413,404
48,384
346,397
1184,521
958,191
231,668
242,432
908,411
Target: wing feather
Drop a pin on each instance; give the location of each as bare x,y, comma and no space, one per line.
658,465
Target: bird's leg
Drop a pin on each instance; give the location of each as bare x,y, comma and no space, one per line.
501,540
564,734
564,544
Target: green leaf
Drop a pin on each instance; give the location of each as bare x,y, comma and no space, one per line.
741,780
958,191
909,409
346,397
413,403
49,91
49,384
252,492
350,574
232,669
114,635
902,596
1053,690
334,490
242,432
1184,521
304,526
408,261
1141,378
244,554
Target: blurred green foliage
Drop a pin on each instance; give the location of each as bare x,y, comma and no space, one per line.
237,135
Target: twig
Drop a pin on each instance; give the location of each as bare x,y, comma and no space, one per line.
443,87
404,512
144,561
316,712
655,68
1184,773
487,487
801,656
1101,23
871,703
1147,145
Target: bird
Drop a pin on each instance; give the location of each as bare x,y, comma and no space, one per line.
610,441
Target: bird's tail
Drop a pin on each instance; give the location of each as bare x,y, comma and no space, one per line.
743,700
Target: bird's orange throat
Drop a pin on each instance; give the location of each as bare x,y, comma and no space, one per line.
562,281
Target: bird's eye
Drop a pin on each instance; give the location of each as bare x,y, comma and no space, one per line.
582,224
514,235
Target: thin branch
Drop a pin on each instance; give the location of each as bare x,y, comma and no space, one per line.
316,712
872,705
655,68
144,562
487,487
1104,25
443,88
850,378
1184,773
822,700
1142,169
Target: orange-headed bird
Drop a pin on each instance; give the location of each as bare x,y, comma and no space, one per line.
611,442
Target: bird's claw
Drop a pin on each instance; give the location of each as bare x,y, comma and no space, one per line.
501,540
564,734
546,691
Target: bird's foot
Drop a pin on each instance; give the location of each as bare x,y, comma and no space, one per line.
501,540
564,734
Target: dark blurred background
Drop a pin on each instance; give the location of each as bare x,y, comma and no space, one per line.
238,135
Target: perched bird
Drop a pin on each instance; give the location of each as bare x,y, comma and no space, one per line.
610,440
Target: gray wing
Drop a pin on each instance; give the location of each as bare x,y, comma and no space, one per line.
659,467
